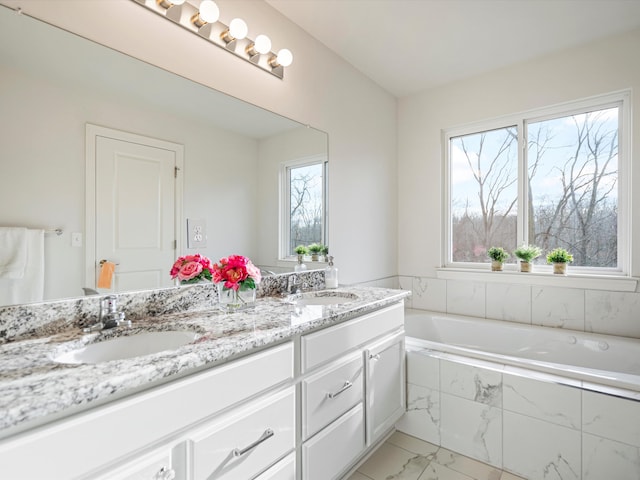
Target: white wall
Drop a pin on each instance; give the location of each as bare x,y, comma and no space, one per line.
319,89
599,68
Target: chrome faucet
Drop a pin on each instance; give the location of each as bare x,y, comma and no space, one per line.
109,316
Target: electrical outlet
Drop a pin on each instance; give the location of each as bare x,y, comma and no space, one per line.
196,233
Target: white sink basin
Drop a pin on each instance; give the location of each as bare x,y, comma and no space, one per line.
127,347
322,298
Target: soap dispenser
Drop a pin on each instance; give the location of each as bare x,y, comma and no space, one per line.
300,266
331,275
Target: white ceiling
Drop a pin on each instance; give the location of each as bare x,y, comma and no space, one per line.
407,46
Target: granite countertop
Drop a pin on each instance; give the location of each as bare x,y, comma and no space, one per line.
34,389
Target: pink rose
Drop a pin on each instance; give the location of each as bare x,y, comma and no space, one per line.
254,272
189,270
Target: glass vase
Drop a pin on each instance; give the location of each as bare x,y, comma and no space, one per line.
231,300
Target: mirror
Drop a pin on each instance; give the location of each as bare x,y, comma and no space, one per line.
53,83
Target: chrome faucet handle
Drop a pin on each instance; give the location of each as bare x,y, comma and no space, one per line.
110,317
108,304
293,283
115,319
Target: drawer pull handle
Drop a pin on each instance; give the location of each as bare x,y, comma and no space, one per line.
375,357
268,433
346,385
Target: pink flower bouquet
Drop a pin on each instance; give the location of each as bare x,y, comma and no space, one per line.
237,273
192,269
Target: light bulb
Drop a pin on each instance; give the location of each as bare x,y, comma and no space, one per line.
238,28
177,2
209,11
262,44
284,57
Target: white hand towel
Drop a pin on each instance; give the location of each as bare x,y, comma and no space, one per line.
29,288
13,252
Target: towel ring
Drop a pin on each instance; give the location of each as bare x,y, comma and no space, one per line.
103,261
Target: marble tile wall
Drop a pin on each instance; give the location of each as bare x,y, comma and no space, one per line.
608,312
525,426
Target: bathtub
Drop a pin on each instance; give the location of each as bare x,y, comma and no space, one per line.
541,403
594,359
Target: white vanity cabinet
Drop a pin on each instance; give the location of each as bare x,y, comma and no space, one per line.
306,409
113,440
353,390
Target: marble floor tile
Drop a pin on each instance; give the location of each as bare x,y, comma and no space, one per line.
467,466
510,476
412,444
358,476
403,457
436,471
390,462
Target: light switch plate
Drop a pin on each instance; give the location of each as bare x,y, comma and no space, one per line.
76,239
196,233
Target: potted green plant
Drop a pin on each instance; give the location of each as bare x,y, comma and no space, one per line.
315,249
497,255
559,257
301,251
325,252
525,254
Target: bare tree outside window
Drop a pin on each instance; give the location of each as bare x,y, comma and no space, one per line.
307,205
484,193
573,183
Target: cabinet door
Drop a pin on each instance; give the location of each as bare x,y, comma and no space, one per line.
385,385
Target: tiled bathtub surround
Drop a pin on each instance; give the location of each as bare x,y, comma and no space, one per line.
533,428
35,320
595,311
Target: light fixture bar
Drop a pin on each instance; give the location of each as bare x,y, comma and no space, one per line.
188,16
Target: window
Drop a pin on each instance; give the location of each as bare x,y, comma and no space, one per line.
304,206
552,178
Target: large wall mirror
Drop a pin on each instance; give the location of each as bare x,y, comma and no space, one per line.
53,83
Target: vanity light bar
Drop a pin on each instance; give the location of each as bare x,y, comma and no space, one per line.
203,21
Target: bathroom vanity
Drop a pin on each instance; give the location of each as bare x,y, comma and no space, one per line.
286,390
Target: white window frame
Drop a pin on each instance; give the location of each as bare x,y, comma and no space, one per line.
621,99
285,201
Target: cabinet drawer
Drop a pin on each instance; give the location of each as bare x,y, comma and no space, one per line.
246,442
331,451
285,469
153,466
330,393
332,342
